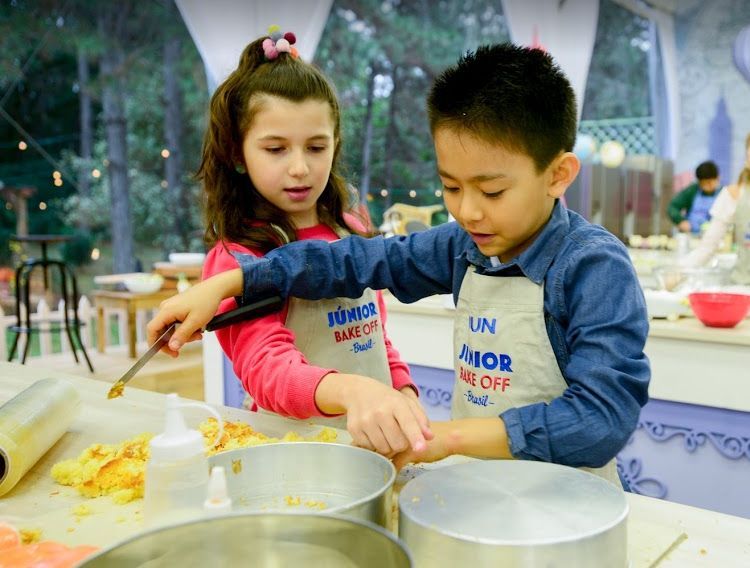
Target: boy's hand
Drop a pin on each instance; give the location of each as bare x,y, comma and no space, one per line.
437,448
479,437
684,226
194,308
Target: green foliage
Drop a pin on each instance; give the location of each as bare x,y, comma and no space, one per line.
618,82
77,251
407,43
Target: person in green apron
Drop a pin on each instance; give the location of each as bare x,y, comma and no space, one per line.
550,320
269,172
689,209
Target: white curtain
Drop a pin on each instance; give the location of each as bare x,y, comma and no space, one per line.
566,29
222,28
661,13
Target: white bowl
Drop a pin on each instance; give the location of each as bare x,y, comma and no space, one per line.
187,258
144,283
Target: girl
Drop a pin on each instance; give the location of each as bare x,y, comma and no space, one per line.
270,177
732,206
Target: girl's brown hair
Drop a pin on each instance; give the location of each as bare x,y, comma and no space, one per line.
233,206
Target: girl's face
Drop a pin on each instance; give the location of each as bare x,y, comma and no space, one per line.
288,153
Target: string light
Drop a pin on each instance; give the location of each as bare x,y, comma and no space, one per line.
56,174
412,194
438,193
105,161
58,182
96,173
22,145
95,254
164,183
8,205
42,205
165,153
384,192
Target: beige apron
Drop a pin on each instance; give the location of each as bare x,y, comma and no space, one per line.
345,334
503,357
741,272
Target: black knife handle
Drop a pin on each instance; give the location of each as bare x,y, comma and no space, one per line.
254,310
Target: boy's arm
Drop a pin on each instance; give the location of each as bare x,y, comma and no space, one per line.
679,203
478,437
411,267
606,371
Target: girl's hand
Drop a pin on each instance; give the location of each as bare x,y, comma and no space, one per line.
379,418
437,448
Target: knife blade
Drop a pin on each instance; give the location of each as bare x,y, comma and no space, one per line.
253,310
119,386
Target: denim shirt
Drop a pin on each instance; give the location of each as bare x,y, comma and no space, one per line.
594,311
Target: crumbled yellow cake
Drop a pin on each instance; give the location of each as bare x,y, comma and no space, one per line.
30,536
107,469
240,435
81,511
119,469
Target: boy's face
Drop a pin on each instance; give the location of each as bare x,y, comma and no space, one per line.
496,194
709,185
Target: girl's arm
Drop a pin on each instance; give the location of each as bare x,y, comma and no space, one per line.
722,214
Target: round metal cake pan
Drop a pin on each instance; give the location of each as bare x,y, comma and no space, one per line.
513,513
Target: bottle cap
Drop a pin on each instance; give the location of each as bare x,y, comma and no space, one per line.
177,441
217,496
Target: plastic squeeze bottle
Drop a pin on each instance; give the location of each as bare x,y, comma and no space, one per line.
177,470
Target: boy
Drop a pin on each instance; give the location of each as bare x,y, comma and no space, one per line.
691,207
550,321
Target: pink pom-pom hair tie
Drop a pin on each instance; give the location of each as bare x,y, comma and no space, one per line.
276,44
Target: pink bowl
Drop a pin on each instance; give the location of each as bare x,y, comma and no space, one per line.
716,309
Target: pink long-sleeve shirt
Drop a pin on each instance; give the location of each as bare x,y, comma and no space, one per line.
271,368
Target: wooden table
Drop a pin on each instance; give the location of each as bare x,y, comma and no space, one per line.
131,303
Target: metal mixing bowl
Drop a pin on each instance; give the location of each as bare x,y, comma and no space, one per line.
259,539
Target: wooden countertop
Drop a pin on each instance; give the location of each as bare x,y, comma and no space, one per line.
713,539
37,501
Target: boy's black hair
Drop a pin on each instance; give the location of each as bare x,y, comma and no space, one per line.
707,170
513,96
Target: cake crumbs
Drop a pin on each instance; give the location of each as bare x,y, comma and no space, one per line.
30,536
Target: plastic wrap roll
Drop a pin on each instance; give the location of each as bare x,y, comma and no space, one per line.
31,423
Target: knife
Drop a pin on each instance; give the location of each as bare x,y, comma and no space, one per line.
250,311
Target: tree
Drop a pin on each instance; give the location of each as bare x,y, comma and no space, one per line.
173,130
382,56
112,24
